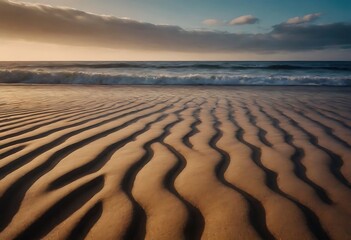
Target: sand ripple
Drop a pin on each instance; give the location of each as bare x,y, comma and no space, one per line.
95,162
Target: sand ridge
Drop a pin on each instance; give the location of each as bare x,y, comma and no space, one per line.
135,162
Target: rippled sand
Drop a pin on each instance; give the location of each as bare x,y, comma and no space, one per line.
115,162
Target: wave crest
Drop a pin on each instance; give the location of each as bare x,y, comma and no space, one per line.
75,77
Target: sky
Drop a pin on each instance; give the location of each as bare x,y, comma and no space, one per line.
175,30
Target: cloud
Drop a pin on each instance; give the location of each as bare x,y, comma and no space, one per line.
313,37
66,26
305,19
212,22
242,20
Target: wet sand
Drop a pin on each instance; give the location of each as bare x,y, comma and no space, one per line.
135,162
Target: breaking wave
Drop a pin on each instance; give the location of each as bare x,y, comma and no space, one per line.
168,78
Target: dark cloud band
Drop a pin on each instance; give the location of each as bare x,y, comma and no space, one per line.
73,27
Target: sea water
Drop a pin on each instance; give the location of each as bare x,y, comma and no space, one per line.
179,73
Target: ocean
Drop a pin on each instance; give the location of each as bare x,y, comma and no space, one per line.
179,73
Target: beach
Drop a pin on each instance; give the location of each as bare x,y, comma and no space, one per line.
175,162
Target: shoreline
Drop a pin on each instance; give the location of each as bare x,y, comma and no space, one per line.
174,85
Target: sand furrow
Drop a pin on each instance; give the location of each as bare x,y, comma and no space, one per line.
271,180
296,157
289,192
35,113
11,151
294,192
326,116
35,119
29,114
62,209
328,130
336,162
194,130
40,133
80,231
16,191
47,115
257,212
195,223
174,162
167,216
26,130
139,219
227,225
261,132
329,110
320,174
15,164
99,160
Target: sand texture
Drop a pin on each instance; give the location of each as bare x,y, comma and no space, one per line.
123,162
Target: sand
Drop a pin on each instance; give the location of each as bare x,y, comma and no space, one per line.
124,162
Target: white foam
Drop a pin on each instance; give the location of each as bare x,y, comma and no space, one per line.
80,77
